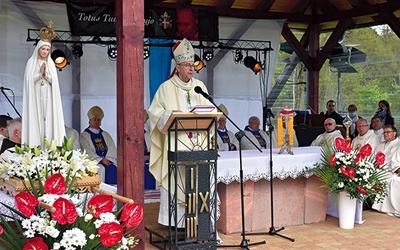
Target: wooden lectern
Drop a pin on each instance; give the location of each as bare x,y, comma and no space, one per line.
192,179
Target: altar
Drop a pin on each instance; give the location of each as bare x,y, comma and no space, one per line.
298,197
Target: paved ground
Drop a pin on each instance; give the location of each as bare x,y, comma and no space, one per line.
379,231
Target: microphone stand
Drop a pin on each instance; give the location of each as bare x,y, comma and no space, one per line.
239,135
9,101
272,231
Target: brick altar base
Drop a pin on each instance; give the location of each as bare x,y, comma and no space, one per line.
296,202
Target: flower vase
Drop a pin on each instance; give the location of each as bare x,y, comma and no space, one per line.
347,210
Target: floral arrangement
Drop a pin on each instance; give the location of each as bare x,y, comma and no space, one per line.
33,163
60,220
52,214
357,172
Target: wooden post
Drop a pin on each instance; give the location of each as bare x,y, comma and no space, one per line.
313,75
130,102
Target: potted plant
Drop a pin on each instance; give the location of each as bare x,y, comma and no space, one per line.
352,175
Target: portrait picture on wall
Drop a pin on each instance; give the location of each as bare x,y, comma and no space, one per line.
181,23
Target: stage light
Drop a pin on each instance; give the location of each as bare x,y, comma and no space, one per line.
146,53
77,50
59,58
112,52
208,55
198,64
251,63
238,56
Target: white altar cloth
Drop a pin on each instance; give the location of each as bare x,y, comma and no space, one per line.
256,165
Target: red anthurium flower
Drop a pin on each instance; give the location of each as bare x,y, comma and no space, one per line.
380,158
100,203
343,170
359,157
361,190
332,161
1,230
366,150
55,184
110,234
26,203
35,243
340,144
348,147
132,215
65,211
351,173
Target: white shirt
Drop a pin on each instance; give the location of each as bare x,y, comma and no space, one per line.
327,138
369,138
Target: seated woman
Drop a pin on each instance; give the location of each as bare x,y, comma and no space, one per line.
99,144
384,113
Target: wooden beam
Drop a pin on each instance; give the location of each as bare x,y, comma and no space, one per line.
389,6
130,102
286,72
358,3
266,5
392,21
228,3
298,48
313,75
326,7
300,7
332,41
242,13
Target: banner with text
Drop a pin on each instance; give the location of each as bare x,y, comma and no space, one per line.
91,19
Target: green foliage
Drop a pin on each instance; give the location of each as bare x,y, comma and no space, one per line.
376,79
352,171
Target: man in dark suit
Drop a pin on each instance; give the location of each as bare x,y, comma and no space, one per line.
331,112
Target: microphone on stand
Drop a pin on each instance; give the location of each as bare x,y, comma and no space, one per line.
269,113
379,110
198,90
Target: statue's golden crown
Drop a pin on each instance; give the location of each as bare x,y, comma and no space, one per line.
47,33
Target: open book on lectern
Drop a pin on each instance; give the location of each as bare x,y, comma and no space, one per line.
202,109
191,121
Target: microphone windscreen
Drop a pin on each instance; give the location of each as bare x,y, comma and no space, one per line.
198,89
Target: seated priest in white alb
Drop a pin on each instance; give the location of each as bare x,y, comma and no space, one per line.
258,136
330,134
226,139
391,148
365,136
99,145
